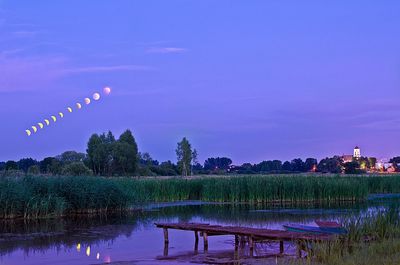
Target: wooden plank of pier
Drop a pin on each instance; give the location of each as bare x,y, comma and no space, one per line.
252,234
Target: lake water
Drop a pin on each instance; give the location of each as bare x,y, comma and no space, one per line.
135,240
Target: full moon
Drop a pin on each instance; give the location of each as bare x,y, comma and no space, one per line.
96,96
107,90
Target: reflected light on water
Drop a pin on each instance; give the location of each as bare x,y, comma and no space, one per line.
78,247
98,255
107,259
88,251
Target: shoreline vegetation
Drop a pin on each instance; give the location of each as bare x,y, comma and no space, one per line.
373,239
34,197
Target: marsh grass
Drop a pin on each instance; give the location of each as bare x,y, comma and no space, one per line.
372,239
39,197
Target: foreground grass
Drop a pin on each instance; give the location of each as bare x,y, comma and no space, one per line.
36,197
373,239
386,252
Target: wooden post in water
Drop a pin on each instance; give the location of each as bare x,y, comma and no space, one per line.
236,242
281,249
205,238
166,241
196,242
299,249
242,241
166,250
251,244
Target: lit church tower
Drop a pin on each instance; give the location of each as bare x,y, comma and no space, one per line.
357,152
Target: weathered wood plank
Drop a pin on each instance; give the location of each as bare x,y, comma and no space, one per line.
256,233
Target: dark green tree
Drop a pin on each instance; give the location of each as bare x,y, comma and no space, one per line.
372,162
70,157
352,168
287,166
124,158
93,143
11,165
297,165
125,153
185,156
330,165
25,163
55,168
218,163
310,164
45,165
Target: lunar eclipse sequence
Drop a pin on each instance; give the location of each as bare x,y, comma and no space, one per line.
53,118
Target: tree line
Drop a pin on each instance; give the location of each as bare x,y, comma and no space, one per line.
107,156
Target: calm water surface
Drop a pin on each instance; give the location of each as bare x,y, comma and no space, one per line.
135,240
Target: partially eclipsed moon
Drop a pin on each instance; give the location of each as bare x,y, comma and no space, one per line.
46,122
107,90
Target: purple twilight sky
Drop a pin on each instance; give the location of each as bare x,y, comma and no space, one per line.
252,80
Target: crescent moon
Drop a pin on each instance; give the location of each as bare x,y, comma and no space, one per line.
87,101
34,129
69,109
61,114
47,122
78,105
54,118
28,132
40,125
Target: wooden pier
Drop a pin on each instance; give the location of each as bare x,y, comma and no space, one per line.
243,235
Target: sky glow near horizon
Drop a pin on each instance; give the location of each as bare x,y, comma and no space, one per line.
251,80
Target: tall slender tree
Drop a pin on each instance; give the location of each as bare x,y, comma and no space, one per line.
185,156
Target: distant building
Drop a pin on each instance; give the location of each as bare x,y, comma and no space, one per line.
383,165
356,155
347,158
357,152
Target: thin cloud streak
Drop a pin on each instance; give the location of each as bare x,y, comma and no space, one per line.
43,71
166,50
114,68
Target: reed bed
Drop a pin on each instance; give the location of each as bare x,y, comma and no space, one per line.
372,239
37,197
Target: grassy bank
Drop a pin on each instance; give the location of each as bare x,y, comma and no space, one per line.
373,239
35,197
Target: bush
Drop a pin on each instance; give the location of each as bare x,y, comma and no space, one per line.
76,169
34,170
